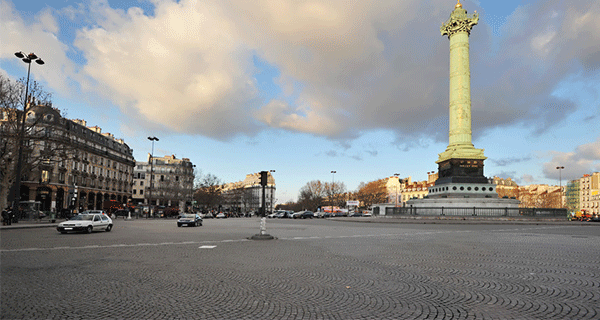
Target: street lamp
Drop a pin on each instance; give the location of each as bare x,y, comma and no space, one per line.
192,189
271,194
331,196
559,168
16,194
151,175
397,175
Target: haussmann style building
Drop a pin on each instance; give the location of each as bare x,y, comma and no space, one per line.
70,166
163,182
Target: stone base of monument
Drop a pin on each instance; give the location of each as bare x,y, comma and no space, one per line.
435,203
262,237
263,232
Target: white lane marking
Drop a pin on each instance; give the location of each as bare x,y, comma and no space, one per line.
245,240
207,247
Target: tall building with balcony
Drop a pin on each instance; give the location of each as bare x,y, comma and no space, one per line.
164,182
68,165
589,190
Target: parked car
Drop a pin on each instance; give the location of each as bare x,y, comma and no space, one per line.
323,214
303,215
221,215
285,214
121,213
190,220
86,223
326,214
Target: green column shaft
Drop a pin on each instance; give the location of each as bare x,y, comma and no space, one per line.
460,91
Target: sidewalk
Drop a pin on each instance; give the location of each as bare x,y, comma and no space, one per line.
42,223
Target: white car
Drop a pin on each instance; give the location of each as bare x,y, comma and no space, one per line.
94,212
86,223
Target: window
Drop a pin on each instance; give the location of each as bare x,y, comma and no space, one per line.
45,176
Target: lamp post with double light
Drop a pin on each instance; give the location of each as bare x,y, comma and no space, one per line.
560,168
16,194
397,175
151,208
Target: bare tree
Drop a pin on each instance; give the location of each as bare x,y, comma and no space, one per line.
41,148
311,195
336,193
372,192
208,192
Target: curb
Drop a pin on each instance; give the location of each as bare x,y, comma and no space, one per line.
28,226
461,220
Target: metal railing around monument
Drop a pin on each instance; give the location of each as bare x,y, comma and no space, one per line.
477,212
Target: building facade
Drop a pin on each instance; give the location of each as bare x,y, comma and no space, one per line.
246,195
164,182
572,196
589,190
69,166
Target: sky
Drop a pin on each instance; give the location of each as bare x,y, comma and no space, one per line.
307,87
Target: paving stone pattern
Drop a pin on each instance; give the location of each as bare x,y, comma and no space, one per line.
314,270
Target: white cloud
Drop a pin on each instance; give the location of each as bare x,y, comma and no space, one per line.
40,37
584,159
343,65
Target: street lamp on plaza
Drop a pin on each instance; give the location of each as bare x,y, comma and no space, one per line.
332,184
560,168
272,171
16,194
192,189
151,175
397,175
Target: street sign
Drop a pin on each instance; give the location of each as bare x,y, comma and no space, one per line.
352,203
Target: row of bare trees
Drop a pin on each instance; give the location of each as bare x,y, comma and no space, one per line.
317,194
533,199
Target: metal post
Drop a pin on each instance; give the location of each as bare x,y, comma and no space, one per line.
560,183
16,193
262,209
331,196
150,206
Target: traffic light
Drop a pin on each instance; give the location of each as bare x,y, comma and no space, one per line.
72,194
263,178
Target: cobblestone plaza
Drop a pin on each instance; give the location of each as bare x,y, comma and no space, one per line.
315,269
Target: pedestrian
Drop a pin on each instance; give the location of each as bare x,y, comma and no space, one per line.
5,216
10,215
